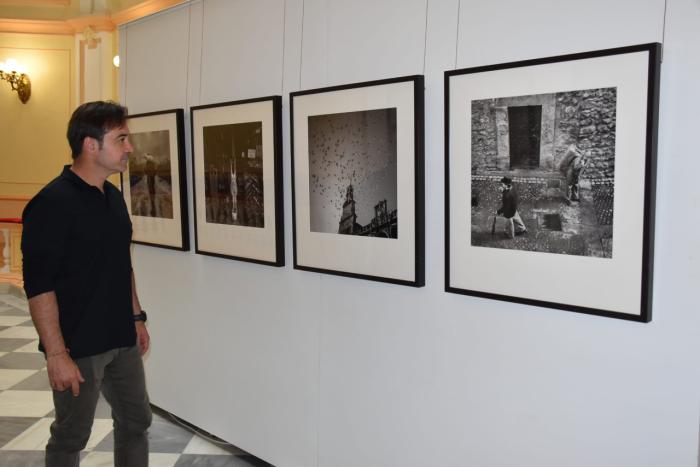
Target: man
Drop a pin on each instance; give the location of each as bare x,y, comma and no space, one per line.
571,166
82,295
509,209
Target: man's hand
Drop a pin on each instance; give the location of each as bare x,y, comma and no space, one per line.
142,338
64,373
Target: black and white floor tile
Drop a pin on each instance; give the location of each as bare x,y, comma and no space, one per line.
26,411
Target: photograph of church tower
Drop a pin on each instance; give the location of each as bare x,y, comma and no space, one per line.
352,164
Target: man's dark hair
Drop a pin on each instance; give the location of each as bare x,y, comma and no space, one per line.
507,181
93,119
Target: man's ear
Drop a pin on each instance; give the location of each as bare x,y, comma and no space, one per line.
90,145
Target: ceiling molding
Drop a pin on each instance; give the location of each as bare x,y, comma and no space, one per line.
35,26
143,9
77,25
68,28
35,2
97,23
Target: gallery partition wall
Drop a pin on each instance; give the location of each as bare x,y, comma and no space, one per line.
308,369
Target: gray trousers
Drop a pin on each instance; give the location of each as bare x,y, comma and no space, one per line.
119,375
514,225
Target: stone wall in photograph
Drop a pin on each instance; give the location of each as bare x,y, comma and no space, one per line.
584,117
484,150
588,118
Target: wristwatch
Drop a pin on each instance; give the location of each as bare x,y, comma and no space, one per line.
141,316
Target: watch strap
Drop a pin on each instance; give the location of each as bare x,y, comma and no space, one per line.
141,316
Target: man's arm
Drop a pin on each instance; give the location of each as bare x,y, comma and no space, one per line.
62,370
142,338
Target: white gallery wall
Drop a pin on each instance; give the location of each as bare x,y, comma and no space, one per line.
310,370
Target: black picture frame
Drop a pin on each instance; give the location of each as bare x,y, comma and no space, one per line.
156,196
253,230
604,105
383,119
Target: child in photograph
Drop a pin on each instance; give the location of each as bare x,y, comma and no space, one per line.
509,209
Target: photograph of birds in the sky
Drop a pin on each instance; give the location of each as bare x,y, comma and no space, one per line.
355,149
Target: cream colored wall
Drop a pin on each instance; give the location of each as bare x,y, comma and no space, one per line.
34,146
96,73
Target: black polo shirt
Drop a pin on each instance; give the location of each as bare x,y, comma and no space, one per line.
76,242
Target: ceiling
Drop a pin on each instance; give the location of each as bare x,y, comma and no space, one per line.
60,10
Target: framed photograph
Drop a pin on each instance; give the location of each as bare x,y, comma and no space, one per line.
357,180
550,181
155,182
237,172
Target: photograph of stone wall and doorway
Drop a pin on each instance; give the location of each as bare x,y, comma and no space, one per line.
556,158
543,172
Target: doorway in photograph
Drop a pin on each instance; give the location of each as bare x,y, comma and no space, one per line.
524,124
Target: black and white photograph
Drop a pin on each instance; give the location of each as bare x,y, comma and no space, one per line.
155,182
357,179
550,169
543,172
233,178
150,178
237,172
352,168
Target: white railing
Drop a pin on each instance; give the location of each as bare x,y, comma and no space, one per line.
5,242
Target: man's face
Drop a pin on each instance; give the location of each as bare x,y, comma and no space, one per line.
504,187
114,154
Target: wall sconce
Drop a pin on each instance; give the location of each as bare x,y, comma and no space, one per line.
16,75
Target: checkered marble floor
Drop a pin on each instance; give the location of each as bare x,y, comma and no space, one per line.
26,411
